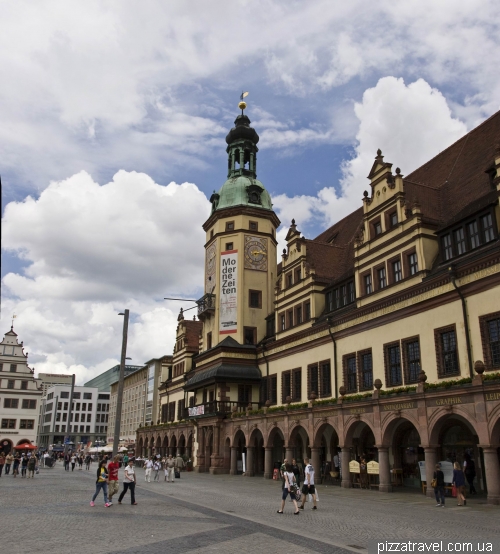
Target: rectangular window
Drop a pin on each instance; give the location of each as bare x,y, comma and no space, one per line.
78,406
8,423
412,360
244,394
65,406
343,295
84,407
394,219
337,298
325,388
296,385
312,380
89,418
377,227
447,247
180,409
64,394
229,246
77,417
447,351
87,396
298,315
350,373
366,370
65,416
268,389
13,368
307,311
171,411
473,233
255,298
76,395
58,416
82,427
459,236
329,301
289,279
286,386
57,429
352,292
229,227
490,338
27,424
24,385
297,275
282,322
413,263
12,403
487,224
368,283
494,340
382,280
394,376
253,226
250,335
29,404
397,272
290,318
11,384
209,340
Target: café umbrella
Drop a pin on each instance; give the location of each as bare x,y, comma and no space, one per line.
25,446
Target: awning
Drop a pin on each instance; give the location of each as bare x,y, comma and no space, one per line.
225,373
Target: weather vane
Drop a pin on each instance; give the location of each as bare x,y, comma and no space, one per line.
242,105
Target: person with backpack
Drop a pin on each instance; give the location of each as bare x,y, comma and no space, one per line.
470,472
290,488
308,487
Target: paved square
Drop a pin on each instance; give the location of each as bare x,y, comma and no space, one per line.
221,513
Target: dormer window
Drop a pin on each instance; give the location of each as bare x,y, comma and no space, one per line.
487,224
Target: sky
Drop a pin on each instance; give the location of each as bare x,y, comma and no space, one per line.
113,117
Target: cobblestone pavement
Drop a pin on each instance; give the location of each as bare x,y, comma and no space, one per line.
221,513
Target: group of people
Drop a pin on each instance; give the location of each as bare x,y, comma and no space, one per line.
28,463
107,481
290,480
460,475
170,465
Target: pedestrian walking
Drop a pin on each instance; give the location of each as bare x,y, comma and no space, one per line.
296,471
363,473
67,459
438,483
88,461
15,467
113,485
24,465
459,482
73,462
80,462
148,466
169,469
290,488
308,487
157,467
2,462
179,464
470,473
8,462
101,484
282,473
31,467
128,483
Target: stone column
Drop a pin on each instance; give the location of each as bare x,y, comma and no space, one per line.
431,459
384,469
268,463
492,473
234,459
346,476
316,463
200,462
242,158
289,453
250,461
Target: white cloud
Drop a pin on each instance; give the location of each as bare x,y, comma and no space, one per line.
410,123
94,250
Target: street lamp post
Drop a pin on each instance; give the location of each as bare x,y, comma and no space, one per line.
118,416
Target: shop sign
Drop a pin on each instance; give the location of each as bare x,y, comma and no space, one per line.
491,396
197,410
451,401
228,292
353,466
372,468
399,406
359,411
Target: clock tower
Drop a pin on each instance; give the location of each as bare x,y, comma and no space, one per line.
240,260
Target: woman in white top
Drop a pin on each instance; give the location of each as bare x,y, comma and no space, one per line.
290,488
129,483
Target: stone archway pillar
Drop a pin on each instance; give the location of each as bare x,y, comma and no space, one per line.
200,458
346,458
316,463
268,463
384,469
234,460
250,461
492,473
431,459
289,453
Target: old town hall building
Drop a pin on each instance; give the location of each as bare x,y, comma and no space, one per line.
380,338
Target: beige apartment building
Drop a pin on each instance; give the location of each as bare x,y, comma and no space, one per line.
378,339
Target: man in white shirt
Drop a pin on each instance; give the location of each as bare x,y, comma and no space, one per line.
308,487
149,466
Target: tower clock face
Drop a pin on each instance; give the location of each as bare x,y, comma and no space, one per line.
256,253
210,268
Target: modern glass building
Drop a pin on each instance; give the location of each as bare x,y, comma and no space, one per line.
104,381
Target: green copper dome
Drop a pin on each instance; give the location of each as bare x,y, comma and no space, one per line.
242,187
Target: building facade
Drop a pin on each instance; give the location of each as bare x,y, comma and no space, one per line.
49,379
140,398
20,395
380,338
89,417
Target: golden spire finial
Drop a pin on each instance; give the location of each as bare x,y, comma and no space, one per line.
242,105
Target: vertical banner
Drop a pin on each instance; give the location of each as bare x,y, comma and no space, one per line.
228,292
